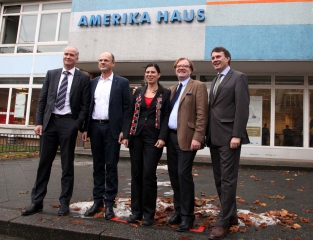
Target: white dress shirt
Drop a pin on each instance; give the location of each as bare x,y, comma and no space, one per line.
172,123
67,107
102,98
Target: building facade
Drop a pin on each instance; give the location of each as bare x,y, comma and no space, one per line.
270,41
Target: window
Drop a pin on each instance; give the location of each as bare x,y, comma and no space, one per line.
19,26
289,117
18,106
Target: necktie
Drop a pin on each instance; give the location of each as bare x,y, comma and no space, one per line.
60,102
218,81
176,95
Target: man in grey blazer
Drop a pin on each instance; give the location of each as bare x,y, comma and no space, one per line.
228,116
62,109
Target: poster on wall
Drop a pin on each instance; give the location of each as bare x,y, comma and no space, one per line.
19,108
254,126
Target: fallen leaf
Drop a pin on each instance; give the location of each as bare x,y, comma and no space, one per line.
241,200
243,230
304,220
184,238
56,205
262,225
76,209
76,222
98,215
21,208
133,225
289,179
234,229
296,226
25,192
195,174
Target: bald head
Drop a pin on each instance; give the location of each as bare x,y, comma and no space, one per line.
106,63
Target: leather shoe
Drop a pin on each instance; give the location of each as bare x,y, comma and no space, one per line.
133,219
217,232
32,209
93,210
175,219
64,209
147,222
109,214
232,222
184,226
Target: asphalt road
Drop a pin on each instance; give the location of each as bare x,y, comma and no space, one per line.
259,191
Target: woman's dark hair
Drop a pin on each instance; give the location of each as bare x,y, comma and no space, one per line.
156,66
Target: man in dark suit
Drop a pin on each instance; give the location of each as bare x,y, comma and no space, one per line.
62,109
187,124
110,101
228,116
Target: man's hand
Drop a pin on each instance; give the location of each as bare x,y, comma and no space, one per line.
125,142
195,145
84,136
235,142
160,143
38,130
120,138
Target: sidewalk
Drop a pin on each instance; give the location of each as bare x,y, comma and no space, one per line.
244,161
256,182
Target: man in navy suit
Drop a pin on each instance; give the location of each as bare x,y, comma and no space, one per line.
110,99
226,132
62,109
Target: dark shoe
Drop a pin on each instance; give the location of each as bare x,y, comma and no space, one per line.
175,219
133,219
93,210
32,209
217,232
232,222
64,209
184,226
109,214
147,222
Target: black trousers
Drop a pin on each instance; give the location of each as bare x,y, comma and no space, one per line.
225,162
105,151
180,170
144,160
63,132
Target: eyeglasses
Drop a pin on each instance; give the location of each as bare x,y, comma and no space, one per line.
104,60
182,66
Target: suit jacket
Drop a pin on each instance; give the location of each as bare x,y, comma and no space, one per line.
147,115
229,110
192,114
79,97
118,104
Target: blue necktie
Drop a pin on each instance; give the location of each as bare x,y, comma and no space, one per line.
60,102
176,95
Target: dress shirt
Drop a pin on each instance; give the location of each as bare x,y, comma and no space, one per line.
102,98
67,107
172,123
224,72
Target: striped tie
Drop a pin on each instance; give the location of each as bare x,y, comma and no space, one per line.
60,102
218,81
